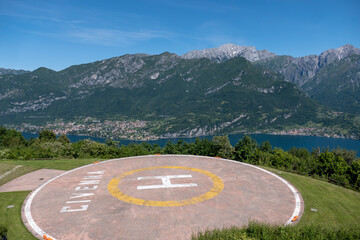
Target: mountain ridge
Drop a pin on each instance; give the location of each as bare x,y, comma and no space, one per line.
229,51
174,95
12,71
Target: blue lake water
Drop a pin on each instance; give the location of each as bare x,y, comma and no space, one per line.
283,141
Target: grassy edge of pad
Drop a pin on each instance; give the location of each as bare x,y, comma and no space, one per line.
28,166
4,168
18,172
11,217
322,197
59,164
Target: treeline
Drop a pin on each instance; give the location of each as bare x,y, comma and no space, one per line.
339,166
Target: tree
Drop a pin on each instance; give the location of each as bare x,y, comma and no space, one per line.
11,138
204,147
265,147
354,173
182,147
283,160
245,149
301,153
348,155
226,150
261,157
63,139
47,135
329,164
169,148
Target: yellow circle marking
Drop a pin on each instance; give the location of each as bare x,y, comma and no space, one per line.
215,190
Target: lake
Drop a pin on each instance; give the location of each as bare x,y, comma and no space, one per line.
283,141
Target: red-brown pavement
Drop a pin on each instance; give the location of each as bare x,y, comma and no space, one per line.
158,197
30,181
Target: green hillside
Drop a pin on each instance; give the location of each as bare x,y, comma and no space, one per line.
176,96
338,85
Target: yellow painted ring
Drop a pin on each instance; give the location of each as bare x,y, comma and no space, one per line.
215,190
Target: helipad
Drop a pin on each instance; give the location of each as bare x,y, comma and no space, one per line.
158,197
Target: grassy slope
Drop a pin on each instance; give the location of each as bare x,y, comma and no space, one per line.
336,205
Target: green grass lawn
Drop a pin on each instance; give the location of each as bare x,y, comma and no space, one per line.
5,168
11,217
60,164
337,206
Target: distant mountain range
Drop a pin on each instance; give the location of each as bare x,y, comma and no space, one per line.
332,78
221,90
12,71
229,51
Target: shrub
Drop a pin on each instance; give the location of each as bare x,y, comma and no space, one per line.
245,149
226,150
47,135
3,231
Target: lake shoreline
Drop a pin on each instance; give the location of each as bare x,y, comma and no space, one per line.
276,140
202,136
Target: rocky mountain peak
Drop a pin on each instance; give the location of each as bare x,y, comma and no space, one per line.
332,55
300,70
228,51
348,49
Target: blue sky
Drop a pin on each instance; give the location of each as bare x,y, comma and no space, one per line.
59,33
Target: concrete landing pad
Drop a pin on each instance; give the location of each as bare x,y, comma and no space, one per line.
158,197
30,181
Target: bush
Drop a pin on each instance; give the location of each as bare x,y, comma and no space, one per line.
11,138
3,232
330,164
47,135
226,150
245,149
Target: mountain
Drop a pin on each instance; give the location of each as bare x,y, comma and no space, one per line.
179,97
297,70
332,78
12,71
165,95
302,69
337,85
323,77
229,51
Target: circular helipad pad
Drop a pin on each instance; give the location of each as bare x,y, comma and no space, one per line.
158,197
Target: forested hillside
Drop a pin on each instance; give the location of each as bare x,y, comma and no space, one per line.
173,97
